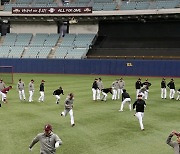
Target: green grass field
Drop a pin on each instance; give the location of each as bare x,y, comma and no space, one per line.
100,127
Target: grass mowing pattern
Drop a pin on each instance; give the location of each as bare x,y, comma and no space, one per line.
100,128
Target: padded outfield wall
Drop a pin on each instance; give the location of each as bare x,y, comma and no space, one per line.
108,67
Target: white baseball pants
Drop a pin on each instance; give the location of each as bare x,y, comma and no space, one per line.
31,95
57,98
114,96
41,98
171,94
124,101
119,92
66,111
140,116
22,94
94,94
163,92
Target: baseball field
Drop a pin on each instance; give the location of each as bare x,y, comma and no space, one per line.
100,128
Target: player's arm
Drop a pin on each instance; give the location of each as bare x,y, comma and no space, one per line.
34,141
169,141
58,142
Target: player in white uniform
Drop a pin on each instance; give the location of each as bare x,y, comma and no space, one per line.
20,88
69,108
31,90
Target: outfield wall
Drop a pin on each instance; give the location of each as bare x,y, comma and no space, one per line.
88,66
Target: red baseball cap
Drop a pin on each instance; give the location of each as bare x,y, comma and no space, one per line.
48,127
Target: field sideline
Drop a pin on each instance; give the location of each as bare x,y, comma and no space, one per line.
100,127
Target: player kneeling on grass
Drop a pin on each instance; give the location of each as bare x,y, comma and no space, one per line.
69,108
104,92
174,144
49,141
4,93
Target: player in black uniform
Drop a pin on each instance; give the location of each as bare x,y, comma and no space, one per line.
172,88
104,92
57,93
163,88
139,105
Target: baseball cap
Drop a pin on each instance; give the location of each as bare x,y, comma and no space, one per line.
32,80
42,81
47,127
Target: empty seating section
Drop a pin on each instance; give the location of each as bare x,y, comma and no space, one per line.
74,46
4,51
23,39
39,39
24,1
11,51
30,3
32,52
10,39
143,5
16,52
25,45
37,52
61,52
52,40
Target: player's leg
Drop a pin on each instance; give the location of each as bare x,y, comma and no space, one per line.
122,105
94,94
20,94
173,92
30,96
98,94
139,116
72,117
57,99
162,93
23,94
42,96
129,101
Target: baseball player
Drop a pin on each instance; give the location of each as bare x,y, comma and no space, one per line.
172,88
104,93
31,90
125,98
138,86
147,84
69,108
163,88
174,144
178,97
121,85
4,93
100,86
49,141
41,90
142,91
2,86
115,86
57,94
139,106
94,89
20,88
